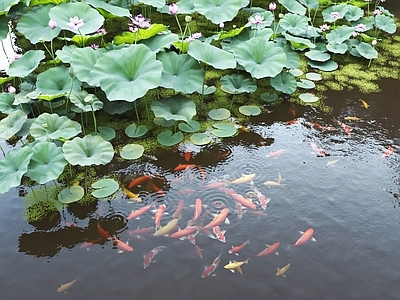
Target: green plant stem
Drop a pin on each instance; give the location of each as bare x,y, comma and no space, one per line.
86,185
202,87
83,126
50,52
51,107
179,25
4,49
55,183
83,43
94,119
233,97
33,192
2,150
136,111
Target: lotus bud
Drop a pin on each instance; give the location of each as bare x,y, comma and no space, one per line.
53,24
281,15
374,42
221,25
173,9
44,125
272,6
234,26
11,89
188,19
89,99
41,40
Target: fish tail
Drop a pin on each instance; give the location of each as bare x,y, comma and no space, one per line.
290,246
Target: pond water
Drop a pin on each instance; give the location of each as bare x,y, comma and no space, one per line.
349,195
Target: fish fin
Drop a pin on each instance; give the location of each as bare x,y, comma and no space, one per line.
237,254
290,246
120,251
276,253
138,218
232,270
210,235
246,261
227,222
301,232
213,274
277,269
313,239
223,231
267,200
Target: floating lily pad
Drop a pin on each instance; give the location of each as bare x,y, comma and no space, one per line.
132,151
296,72
317,55
305,84
269,97
313,76
200,139
167,138
219,114
223,130
191,126
327,66
237,83
134,131
207,90
308,98
71,194
104,187
250,110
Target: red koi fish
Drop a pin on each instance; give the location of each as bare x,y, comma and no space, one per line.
159,214
192,237
257,213
156,189
102,232
317,149
139,180
135,214
345,127
219,234
218,219
239,248
198,207
140,231
187,155
90,243
305,237
198,251
276,153
387,152
239,210
239,198
215,185
292,110
261,198
148,259
179,209
291,122
211,268
184,232
269,250
182,167
121,245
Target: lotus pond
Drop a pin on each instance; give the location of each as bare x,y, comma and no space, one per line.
142,140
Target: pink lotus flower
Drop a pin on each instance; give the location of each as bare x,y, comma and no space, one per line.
194,36
11,89
335,15
272,6
75,23
257,20
324,27
53,24
140,21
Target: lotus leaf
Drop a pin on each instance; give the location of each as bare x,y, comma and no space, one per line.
65,54
313,76
250,110
56,81
269,97
116,11
296,72
160,121
295,24
223,130
181,72
341,9
292,59
128,73
299,43
52,126
200,139
5,5
310,4
237,83
191,126
284,82
154,3
367,51
85,101
293,6
317,55
160,41
176,108
260,57
104,187
11,124
4,27
83,60
128,37
326,66
353,13
231,33
167,138
6,103
306,84
337,48
107,133
24,131
71,194
211,55
206,90
308,98
132,151
47,162
219,114
12,167
117,107
134,131
34,25
26,64
385,23
63,12
339,35
89,150
185,7
244,36
218,11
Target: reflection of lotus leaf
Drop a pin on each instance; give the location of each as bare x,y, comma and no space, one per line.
11,124
71,194
104,187
174,108
218,11
89,150
132,151
26,64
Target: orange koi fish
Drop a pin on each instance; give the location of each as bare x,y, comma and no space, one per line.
187,155
179,209
156,189
257,213
387,152
269,250
121,245
239,210
261,198
102,232
292,110
345,127
238,197
198,207
184,232
148,259
317,149
192,237
239,248
276,153
159,214
218,219
364,103
135,214
211,268
219,234
139,180
181,167
140,231
198,251
305,237
90,243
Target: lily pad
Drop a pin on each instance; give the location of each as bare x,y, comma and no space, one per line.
305,84
337,48
211,55
104,187
308,98
284,82
313,76
26,64
296,72
317,55
250,110
191,126
269,97
71,194
200,139
134,131
207,90
223,130
132,151
219,114
167,138
176,108
367,51
327,66
11,124
237,83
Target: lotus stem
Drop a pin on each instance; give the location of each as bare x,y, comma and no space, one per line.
233,97
86,187
4,49
136,111
251,5
69,94
51,107
2,150
179,25
83,126
33,192
94,119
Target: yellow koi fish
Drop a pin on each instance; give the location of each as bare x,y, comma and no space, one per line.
65,286
332,162
131,195
235,265
351,118
282,271
364,103
273,183
243,179
167,228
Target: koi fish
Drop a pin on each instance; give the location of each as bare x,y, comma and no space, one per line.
220,234
239,248
269,250
121,245
179,209
243,179
167,228
291,122
317,150
102,232
257,213
364,103
387,152
292,111
65,286
184,232
239,198
276,153
239,210
305,237
90,243
156,189
139,180
198,207
211,268
131,195
182,167
280,179
261,198
351,118
215,185
141,231
135,214
235,264
159,214
186,191
273,183
192,237
345,127
148,259
198,251
218,219
332,162
187,155
282,271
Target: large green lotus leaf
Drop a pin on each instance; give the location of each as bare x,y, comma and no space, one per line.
128,73
65,54
33,3
4,26
12,167
250,110
294,23
337,48
326,66
116,11
5,5
260,57
132,151
6,103
245,35
185,7
223,130
117,107
167,138
83,60
284,82
354,13
219,114
191,126
367,51
134,131
154,3
385,23
89,150
85,101
160,41
52,126
24,131
317,55
90,16
176,108
293,6
200,139
310,4
128,37
237,83
11,124
71,194
26,64
341,9
218,11
181,72
211,55
34,25
339,35
47,162
56,81
104,187
299,43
